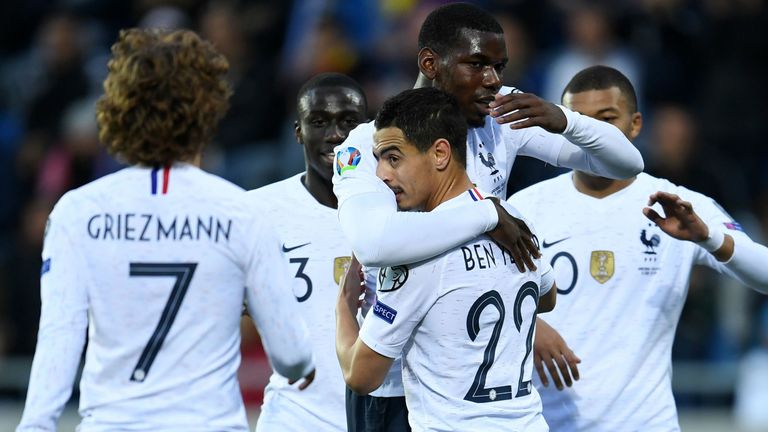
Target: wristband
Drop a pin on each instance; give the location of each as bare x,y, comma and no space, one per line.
714,241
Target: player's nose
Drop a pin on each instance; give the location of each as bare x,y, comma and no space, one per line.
491,78
335,134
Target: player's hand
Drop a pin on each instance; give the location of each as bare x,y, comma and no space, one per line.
681,222
352,287
524,110
307,380
515,236
551,351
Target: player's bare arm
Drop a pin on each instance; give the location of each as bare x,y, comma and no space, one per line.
682,223
551,352
515,236
525,110
363,368
547,301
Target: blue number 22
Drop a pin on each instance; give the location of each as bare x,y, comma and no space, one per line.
477,392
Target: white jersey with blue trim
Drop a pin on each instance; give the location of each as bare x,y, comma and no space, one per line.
622,284
491,151
318,255
155,265
464,322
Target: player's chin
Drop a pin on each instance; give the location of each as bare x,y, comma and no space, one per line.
324,168
476,119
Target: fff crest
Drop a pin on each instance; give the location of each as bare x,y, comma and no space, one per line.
602,265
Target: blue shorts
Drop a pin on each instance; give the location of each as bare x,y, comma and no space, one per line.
376,414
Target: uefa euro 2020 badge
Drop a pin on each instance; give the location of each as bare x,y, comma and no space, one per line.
347,160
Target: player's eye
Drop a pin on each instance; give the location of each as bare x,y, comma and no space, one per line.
499,67
392,159
476,65
609,119
317,123
351,122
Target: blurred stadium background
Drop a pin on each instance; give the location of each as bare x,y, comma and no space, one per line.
699,66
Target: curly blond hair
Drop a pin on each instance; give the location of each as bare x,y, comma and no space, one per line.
163,97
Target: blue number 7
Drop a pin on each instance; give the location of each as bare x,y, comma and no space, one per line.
183,273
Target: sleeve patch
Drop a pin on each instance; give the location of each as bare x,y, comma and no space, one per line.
392,278
347,159
733,226
46,267
384,312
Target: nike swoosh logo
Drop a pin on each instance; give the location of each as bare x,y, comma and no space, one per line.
546,245
288,249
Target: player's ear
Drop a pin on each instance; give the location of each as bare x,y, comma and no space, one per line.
637,125
441,150
297,132
428,63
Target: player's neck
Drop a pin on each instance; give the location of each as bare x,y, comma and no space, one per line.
320,188
598,187
454,183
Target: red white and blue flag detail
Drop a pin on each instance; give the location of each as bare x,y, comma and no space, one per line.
475,194
166,175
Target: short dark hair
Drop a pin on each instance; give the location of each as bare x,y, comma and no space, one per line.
442,27
602,78
425,115
330,79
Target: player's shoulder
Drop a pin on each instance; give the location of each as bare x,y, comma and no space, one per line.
655,184
559,184
213,184
278,191
75,201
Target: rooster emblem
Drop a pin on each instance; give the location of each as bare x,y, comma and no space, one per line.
650,243
490,163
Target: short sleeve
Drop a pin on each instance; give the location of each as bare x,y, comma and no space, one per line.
404,295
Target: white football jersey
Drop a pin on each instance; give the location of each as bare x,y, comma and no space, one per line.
319,255
156,264
491,152
622,283
464,322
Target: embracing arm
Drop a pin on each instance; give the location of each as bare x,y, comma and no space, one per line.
566,138
381,236
598,148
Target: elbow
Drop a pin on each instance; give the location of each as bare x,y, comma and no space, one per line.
295,370
632,166
367,256
361,383
367,250
638,164
548,302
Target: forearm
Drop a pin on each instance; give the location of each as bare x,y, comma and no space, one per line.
347,331
598,148
283,332
57,357
381,236
748,263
